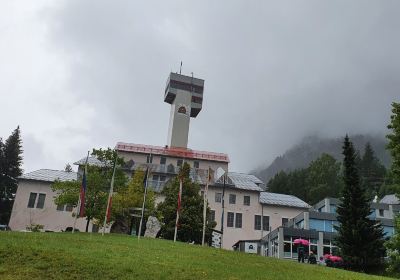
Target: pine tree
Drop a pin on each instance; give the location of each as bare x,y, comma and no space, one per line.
394,141
191,215
360,239
393,146
372,172
10,170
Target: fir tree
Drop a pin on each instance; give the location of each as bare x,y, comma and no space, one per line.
393,146
10,170
372,172
394,141
360,239
191,215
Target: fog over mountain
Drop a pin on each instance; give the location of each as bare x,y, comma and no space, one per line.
81,74
312,147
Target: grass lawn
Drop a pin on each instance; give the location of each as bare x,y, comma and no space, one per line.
92,256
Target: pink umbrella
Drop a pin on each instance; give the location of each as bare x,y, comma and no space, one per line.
336,259
327,256
301,241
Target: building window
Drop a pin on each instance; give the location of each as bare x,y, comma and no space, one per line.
218,197
238,220
212,215
285,222
246,200
230,220
155,177
257,222
163,160
202,194
381,212
149,158
179,162
162,178
232,199
196,164
68,207
41,199
60,207
32,199
266,223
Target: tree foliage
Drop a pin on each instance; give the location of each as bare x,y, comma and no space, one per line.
191,215
372,172
393,249
360,238
131,196
319,180
10,170
98,179
394,141
393,245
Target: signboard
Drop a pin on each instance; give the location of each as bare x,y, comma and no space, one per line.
250,247
216,238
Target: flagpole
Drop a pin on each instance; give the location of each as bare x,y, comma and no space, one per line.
78,206
223,208
144,202
205,206
106,217
178,209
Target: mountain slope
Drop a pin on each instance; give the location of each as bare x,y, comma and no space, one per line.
310,148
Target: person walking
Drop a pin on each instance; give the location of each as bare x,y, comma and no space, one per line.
300,253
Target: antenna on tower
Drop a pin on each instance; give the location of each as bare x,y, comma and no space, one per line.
180,69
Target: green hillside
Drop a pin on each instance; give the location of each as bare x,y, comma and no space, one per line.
92,256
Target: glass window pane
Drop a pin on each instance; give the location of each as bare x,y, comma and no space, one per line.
257,222
286,250
266,223
238,222
246,200
232,199
32,199
212,215
218,197
40,203
231,217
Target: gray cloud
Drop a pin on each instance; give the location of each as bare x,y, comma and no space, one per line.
275,72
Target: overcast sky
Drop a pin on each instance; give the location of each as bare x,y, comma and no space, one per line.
81,74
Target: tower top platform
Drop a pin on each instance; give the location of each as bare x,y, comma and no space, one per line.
190,85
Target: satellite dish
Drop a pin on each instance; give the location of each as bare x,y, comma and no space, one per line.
219,173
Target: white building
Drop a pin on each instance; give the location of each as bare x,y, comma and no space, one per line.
34,203
249,211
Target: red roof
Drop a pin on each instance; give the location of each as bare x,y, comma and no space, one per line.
172,151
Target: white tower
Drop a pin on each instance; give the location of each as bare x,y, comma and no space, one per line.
185,94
